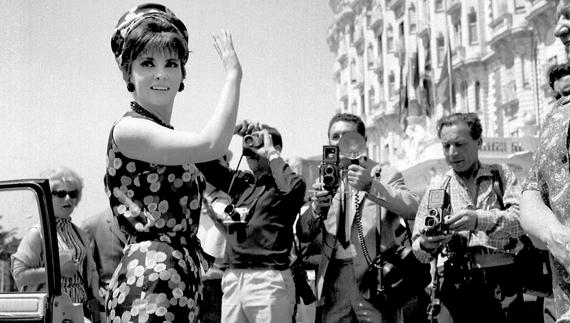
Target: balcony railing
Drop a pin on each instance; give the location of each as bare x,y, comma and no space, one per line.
501,27
457,55
377,109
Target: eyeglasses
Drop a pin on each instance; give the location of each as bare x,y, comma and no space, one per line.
62,194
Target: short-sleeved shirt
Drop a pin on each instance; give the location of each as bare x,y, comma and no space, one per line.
549,174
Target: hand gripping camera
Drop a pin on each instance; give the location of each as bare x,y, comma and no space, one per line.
253,140
438,208
329,169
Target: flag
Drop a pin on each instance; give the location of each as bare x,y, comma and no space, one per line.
443,96
425,97
403,113
415,71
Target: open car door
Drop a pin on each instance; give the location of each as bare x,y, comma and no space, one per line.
27,204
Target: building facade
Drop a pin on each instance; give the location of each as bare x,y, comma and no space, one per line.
395,59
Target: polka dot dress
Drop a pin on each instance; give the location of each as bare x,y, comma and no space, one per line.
158,207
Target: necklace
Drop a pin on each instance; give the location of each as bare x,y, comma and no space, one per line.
147,114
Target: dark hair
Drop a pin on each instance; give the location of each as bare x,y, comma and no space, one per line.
360,127
275,136
556,72
471,119
154,35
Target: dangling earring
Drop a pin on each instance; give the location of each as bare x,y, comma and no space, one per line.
130,87
181,87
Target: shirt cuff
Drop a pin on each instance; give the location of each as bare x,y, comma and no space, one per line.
375,194
273,155
485,220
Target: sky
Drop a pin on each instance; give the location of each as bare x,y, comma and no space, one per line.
61,90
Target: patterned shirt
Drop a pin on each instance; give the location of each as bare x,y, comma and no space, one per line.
496,228
549,174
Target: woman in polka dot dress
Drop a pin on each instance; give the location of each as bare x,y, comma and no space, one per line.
151,181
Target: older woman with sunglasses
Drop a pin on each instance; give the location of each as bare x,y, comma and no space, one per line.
79,278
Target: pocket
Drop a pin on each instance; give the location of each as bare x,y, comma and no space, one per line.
229,281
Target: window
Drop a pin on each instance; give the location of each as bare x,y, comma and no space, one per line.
390,39
391,85
438,5
520,6
464,96
502,8
371,98
425,8
440,43
370,55
524,72
412,18
457,34
381,88
473,35
379,43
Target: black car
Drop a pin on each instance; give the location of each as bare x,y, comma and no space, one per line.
26,203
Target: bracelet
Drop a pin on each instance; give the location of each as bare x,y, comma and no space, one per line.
272,155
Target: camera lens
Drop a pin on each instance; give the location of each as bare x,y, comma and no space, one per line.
248,140
433,212
431,222
329,170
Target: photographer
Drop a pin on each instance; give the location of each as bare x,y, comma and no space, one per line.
381,194
475,228
258,285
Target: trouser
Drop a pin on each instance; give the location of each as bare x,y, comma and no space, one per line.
212,300
343,300
258,295
487,295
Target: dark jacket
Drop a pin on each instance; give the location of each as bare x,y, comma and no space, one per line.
273,200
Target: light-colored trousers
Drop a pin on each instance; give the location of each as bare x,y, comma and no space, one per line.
260,296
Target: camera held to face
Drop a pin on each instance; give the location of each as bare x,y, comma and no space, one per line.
438,208
253,140
329,169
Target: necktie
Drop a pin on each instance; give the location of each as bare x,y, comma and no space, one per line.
341,222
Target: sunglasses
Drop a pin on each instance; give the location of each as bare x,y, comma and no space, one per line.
62,194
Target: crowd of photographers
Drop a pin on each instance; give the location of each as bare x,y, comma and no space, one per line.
356,217
347,253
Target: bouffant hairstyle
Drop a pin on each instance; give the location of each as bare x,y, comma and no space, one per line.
154,34
63,174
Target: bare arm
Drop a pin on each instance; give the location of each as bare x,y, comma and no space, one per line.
144,140
541,224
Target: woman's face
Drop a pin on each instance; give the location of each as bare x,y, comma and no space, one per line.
64,198
156,76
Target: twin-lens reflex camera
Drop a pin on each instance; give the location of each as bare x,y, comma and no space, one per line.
329,169
439,207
